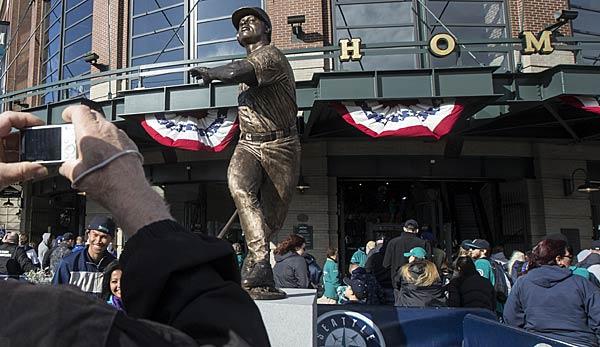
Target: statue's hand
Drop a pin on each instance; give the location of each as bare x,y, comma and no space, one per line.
201,72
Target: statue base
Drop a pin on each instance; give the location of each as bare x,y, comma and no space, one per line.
266,293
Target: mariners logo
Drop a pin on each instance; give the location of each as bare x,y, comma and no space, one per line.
347,328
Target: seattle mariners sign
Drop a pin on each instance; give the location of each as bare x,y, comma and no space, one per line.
347,328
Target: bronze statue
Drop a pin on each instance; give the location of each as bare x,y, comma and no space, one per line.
264,168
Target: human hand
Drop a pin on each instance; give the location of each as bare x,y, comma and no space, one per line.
21,171
201,72
121,186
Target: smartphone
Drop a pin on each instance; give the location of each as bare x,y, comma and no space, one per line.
48,144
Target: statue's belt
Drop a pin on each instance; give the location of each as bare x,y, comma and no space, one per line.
270,135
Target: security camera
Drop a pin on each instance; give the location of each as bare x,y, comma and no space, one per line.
298,19
565,15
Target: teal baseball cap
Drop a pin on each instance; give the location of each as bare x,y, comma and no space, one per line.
417,252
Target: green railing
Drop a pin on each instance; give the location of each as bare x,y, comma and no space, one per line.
329,54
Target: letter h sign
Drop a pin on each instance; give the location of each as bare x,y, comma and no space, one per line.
350,50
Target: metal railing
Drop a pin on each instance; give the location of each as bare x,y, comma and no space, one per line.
329,54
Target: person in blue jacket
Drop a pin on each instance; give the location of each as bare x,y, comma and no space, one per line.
331,278
85,269
551,301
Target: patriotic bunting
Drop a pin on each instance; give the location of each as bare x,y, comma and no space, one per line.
586,103
212,132
379,119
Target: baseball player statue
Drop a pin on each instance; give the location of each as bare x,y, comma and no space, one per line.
264,168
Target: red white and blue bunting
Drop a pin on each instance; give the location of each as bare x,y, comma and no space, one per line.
212,132
380,119
586,103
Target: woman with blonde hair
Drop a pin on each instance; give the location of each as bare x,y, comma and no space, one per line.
420,283
517,259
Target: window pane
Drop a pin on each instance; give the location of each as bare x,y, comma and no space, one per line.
379,34
154,43
218,8
164,19
450,12
591,4
587,21
81,11
215,30
79,30
165,57
76,68
78,49
219,49
373,14
141,6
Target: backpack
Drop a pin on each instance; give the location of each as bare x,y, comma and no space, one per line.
502,284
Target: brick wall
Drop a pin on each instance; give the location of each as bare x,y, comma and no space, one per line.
118,32
316,26
536,15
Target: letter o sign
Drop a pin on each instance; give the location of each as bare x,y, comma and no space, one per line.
441,45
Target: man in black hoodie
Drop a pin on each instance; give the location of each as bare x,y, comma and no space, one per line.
394,254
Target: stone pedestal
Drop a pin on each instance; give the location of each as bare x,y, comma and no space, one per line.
291,321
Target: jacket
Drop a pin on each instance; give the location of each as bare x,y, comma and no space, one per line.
471,292
551,301
290,271
57,255
331,278
592,259
394,254
163,309
314,270
375,295
78,269
44,246
411,295
375,266
14,260
359,257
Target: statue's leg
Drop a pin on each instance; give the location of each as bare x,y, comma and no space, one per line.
281,162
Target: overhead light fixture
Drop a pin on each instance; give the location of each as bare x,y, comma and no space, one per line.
562,17
296,23
588,186
8,203
302,186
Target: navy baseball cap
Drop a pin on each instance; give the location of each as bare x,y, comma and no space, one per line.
359,288
478,244
465,244
595,245
103,224
411,223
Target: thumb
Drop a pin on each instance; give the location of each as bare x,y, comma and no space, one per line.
23,171
68,168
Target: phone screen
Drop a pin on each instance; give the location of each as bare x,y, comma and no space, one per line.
41,144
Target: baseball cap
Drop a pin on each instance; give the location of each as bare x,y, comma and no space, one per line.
465,244
478,244
417,252
103,224
358,286
68,236
595,245
245,11
411,223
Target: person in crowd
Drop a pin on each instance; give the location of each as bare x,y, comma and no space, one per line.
355,291
479,252
331,278
53,246
359,257
111,285
553,302
314,271
394,257
239,254
375,294
159,260
85,269
420,283
382,275
517,259
44,246
499,256
29,250
13,259
290,269
79,244
369,248
62,250
469,289
591,261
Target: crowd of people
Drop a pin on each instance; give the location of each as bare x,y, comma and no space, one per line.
542,291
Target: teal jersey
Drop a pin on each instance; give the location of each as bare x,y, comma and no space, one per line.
331,279
484,268
359,257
